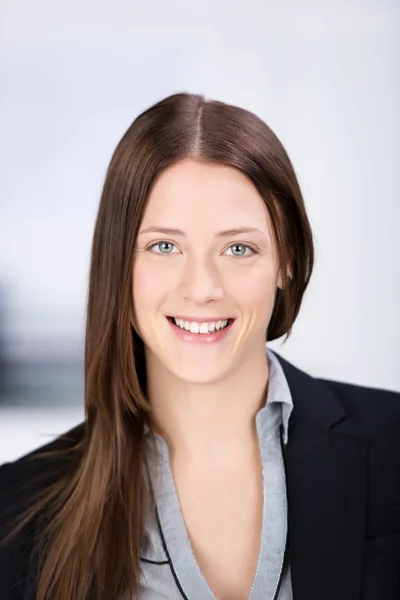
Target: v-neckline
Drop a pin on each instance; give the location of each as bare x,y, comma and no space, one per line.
184,566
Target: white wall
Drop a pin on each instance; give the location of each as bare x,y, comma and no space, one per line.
324,76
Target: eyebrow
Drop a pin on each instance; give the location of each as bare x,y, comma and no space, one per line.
235,231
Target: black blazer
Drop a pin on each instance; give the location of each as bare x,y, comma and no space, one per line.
343,486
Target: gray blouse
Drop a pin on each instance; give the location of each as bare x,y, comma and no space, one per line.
169,569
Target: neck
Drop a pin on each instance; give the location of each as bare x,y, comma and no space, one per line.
211,421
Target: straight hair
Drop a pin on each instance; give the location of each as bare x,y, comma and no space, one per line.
94,509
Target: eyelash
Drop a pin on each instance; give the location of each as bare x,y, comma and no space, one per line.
253,250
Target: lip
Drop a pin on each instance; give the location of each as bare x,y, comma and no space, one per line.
200,338
197,320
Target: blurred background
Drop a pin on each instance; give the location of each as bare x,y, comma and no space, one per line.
73,76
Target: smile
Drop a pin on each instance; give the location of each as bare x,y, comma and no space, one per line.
201,332
203,327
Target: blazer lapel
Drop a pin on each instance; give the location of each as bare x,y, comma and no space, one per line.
326,478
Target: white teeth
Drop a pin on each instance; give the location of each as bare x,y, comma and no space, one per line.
194,328
205,328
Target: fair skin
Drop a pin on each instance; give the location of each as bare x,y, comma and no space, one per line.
205,397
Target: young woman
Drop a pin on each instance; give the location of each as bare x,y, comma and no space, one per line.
207,466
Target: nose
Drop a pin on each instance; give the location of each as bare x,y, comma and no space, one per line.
200,281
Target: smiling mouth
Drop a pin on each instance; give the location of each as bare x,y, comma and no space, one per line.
205,327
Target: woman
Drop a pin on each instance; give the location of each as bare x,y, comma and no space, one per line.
207,466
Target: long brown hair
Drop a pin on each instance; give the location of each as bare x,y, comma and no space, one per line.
95,510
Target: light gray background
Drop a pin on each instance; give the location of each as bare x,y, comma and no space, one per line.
324,76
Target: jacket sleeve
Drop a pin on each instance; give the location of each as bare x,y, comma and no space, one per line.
14,554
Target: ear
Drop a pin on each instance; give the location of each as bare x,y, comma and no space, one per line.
284,281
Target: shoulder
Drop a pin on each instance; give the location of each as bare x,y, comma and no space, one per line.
373,414
21,482
38,468
368,404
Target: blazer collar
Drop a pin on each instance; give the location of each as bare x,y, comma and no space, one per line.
307,391
326,480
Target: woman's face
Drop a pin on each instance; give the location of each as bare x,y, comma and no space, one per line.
201,273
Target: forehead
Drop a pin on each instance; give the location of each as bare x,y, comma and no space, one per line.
191,190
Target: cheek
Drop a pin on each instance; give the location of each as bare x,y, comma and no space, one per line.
149,286
256,289
256,296
143,286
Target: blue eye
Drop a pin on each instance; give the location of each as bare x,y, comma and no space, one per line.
245,246
159,244
238,250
